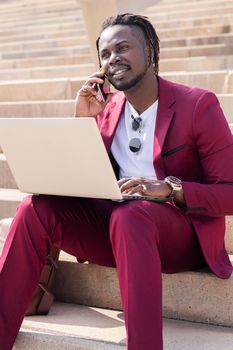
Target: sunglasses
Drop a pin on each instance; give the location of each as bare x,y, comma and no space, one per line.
135,143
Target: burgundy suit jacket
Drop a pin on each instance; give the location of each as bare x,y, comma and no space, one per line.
193,142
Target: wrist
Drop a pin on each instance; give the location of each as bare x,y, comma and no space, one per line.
168,190
175,185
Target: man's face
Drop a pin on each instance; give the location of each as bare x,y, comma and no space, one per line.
124,56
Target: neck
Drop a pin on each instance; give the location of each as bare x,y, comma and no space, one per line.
144,95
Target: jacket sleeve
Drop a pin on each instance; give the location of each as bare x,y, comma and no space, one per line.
214,143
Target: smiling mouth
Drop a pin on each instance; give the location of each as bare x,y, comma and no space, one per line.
120,71
117,71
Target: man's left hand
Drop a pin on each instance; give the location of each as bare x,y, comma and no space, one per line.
144,186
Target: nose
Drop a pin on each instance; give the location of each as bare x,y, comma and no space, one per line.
114,58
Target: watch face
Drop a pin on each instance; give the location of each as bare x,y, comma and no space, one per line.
174,180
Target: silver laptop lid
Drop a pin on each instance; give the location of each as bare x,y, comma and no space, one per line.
59,156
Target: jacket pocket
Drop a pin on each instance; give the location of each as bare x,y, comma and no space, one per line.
174,150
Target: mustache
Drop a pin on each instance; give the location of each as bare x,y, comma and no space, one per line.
116,67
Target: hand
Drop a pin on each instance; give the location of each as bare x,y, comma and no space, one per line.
87,103
145,187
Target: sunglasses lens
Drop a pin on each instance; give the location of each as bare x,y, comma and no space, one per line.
136,123
135,145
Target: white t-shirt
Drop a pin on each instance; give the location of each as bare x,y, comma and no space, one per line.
130,163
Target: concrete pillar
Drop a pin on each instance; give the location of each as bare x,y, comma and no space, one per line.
95,12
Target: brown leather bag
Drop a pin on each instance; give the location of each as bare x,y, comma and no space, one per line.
43,297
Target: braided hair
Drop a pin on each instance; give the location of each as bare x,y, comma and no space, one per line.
146,27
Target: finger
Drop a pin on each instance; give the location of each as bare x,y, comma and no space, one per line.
91,83
128,184
99,74
93,80
137,189
137,180
134,178
122,181
88,92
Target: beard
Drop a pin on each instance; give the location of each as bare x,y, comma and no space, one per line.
124,84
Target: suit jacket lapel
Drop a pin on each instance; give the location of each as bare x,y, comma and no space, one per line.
111,120
163,120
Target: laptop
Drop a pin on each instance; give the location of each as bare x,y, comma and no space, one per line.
60,156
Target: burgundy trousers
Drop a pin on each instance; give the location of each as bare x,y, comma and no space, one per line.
141,238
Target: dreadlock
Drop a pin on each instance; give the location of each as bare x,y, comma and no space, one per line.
145,26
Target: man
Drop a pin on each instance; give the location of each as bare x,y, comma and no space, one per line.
165,140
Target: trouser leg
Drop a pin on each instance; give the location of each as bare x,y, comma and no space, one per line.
77,226
148,238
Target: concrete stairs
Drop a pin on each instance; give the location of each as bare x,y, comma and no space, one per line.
107,331
44,59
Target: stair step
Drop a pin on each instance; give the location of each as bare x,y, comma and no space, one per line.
43,29
166,34
41,89
53,51
195,64
173,52
40,36
195,22
13,4
43,43
216,81
39,13
65,108
72,327
19,22
66,88
46,61
226,38
186,5
226,102
30,13
204,50
194,295
193,30
53,108
198,297
28,6
46,72
6,179
9,201
199,11
71,70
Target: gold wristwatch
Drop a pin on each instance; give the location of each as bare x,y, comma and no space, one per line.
175,184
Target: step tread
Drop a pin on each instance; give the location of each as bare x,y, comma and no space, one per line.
44,80
73,326
173,5
67,101
11,195
54,67
81,78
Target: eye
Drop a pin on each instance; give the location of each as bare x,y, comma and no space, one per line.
104,55
123,48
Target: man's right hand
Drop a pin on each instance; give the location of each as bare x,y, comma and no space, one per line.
87,103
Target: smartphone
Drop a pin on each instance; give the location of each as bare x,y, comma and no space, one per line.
103,95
